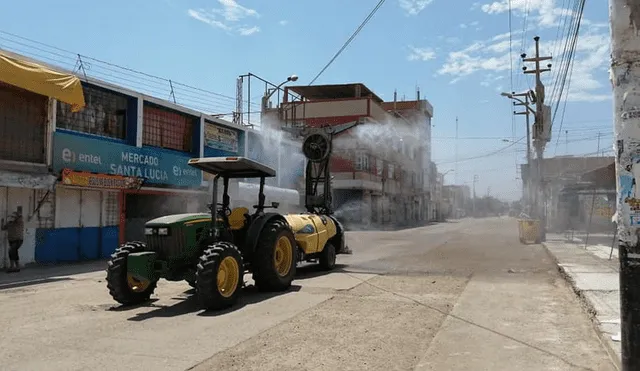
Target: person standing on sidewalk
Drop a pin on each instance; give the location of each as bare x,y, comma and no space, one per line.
15,236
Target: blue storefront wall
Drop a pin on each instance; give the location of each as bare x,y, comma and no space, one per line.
86,153
56,245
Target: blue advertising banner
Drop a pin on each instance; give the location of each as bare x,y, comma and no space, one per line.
156,166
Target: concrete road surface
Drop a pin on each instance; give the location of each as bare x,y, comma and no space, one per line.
453,296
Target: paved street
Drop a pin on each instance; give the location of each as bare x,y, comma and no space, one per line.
462,295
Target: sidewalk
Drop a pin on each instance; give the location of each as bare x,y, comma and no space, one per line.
595,279
35,274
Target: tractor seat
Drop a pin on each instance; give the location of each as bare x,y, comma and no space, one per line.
237,218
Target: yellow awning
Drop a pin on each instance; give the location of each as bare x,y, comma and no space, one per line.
42,80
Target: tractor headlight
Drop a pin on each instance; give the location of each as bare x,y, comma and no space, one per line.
163,231
148,231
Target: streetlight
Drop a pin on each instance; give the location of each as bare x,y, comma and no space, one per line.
266,83
515,97
528,108
273,90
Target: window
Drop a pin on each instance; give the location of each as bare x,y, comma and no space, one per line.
105,114
23,120
390,171
362,161
111,209
379,167
167,129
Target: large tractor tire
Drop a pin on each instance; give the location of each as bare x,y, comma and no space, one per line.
219,275
328,257
191,283
123,288
275,258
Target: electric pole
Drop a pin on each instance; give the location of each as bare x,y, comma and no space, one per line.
475,180
625,78
526,112
541,136
456,166
529,98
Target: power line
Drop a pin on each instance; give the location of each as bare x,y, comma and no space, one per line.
189,96
569,71
503,149
353,36
486,154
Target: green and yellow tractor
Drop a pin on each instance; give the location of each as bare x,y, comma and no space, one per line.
212,251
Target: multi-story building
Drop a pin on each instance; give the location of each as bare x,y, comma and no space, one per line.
439,197
457,201
87,180
381,168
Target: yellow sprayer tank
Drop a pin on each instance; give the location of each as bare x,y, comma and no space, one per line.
311,231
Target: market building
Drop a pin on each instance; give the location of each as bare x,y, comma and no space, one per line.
88,178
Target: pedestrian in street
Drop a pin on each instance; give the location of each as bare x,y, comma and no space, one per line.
15,236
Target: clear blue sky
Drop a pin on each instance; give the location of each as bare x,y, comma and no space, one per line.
457,52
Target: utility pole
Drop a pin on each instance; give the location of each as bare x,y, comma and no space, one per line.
475,180
456,167
526,112
625,78
529,98
540,136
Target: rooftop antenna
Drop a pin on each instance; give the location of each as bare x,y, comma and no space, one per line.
395,99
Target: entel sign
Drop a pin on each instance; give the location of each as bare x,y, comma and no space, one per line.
154,165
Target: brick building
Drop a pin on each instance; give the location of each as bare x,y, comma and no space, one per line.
382,170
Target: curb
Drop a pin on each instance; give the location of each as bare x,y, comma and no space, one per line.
590,310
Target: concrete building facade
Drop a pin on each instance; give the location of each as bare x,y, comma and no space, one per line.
558,173
382,170
89,180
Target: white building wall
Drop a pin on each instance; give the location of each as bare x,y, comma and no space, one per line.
10,199
86,208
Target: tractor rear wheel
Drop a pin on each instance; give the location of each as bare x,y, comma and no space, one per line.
124,288
328,257
219,275
275,258
191,282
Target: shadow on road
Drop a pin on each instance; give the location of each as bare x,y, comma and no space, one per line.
189,304
250,295
39,274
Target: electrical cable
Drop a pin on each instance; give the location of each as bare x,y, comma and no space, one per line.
190,96
344,46
501,150
486,154
570,73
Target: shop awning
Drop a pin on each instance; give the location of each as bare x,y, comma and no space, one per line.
42,80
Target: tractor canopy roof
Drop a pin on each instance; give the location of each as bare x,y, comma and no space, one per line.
232,167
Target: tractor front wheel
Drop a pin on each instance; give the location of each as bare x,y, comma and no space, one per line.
123,287
275,258
219,276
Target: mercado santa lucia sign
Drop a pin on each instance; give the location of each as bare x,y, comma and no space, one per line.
154,165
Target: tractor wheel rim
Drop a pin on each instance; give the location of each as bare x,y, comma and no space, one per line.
283,256
228,276
137,285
